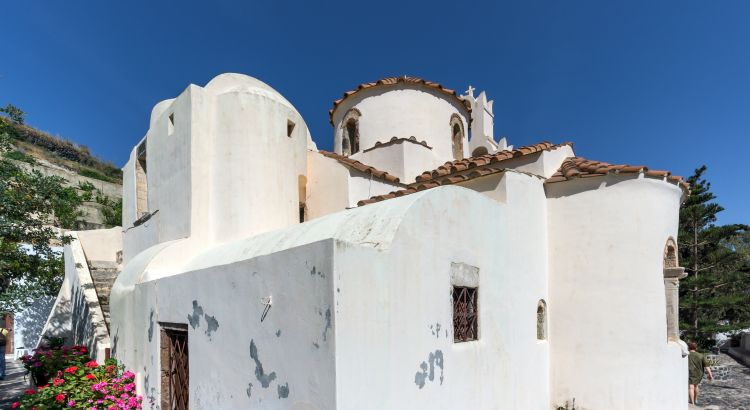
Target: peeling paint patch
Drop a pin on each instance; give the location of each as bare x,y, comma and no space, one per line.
151,325
249,390
436,360
264,379
427,372
420,377
314,271
195,318
328,323
435,329
283,390
211,325
278,333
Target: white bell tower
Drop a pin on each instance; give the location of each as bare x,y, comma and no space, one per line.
482,125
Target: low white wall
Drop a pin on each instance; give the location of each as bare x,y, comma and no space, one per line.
76,314
101,244
238,357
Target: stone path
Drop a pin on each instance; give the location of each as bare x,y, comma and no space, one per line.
730,394
14,384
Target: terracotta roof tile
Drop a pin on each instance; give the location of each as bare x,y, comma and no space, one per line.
577,167
352,163
429,185
394,81
395,140
478,161
458,171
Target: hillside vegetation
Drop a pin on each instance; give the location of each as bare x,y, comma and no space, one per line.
30,142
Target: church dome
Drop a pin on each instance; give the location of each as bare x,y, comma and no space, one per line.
369,118
234,82
391,81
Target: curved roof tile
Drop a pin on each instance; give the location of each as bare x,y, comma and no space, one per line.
352,163
577,167
394,81
478,161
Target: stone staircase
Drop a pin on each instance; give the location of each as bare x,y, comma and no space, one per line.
103,274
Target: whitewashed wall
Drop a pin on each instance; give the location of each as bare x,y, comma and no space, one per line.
332,186
226,170
607,305
404,159
76,314
327,303
237,360
394,312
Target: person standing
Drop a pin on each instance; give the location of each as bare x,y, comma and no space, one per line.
697,366
4,335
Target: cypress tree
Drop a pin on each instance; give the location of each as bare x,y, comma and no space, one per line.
715,296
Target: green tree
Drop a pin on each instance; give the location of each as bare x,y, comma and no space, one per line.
715,296
32,208
14,113
111,210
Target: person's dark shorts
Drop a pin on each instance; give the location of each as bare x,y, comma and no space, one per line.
695,379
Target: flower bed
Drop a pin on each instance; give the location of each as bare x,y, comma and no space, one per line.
73,380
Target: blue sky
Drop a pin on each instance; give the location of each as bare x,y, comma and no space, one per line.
663,84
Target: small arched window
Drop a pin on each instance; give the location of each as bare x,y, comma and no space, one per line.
457,136
350,133
541,320
479,151
670,254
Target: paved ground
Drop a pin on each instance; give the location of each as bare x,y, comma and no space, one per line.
733,393
14,383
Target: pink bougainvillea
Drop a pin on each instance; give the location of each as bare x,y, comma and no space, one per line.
79,382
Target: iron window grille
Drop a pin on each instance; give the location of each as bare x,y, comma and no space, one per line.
465,313
175,367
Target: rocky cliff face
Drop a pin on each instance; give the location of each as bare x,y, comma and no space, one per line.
92,215
50,155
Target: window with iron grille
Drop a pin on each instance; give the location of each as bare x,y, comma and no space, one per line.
175,367
465,313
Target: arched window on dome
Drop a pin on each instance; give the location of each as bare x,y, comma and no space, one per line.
350,132
457,136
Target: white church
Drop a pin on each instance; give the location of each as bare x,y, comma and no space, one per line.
421,265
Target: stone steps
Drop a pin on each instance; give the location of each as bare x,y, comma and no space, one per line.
103,274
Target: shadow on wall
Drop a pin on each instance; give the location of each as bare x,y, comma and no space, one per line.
83,331
30,322
58,324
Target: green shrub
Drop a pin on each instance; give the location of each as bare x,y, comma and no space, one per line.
88,172
19,156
